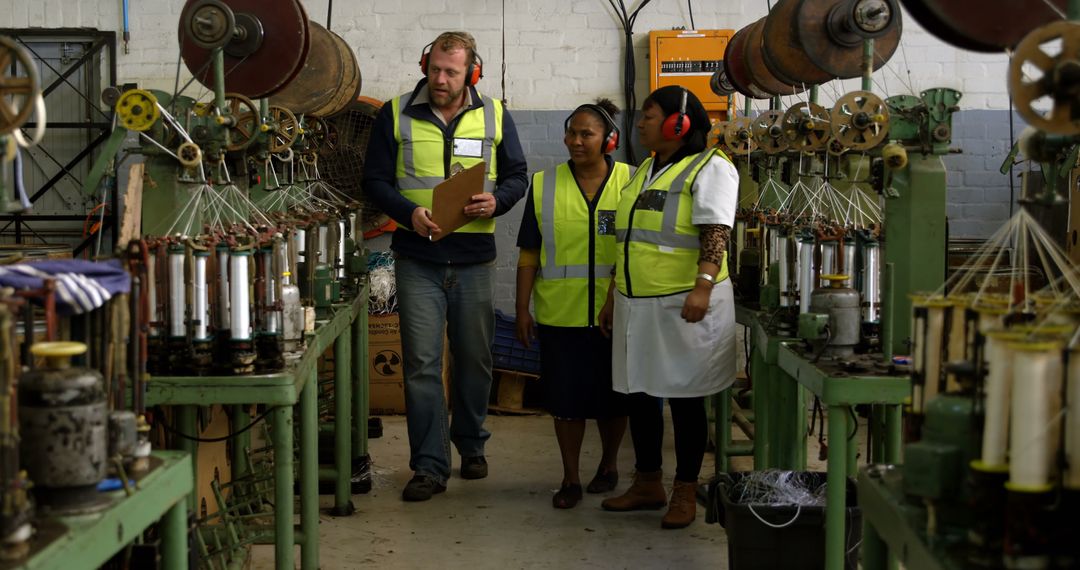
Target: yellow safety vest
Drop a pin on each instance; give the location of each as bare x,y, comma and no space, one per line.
578,248
658,244
421,159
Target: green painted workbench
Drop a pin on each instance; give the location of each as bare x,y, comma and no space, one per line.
88,541
886,525
280,392
840,388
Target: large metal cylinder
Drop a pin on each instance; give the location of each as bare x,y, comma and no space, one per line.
62,421
843,307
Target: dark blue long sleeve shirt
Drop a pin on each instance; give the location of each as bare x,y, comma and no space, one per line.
380,187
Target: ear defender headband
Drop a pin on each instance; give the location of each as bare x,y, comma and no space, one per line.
611,139
473,73
676,125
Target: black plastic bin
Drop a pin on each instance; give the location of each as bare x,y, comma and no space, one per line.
798,545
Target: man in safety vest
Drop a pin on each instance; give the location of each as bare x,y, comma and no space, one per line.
416,141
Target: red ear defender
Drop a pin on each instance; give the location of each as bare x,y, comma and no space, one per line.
676,125
612,141
473,73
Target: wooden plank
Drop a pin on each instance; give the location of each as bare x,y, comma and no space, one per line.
131,219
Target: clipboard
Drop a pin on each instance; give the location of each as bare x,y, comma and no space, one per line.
450,197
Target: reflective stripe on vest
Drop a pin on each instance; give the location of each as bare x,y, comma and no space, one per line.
576,235
417,183
650,271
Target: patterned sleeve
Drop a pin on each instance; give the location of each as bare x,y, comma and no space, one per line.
714,240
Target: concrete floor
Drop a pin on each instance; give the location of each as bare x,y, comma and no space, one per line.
506,520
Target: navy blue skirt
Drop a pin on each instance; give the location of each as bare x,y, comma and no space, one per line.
575,372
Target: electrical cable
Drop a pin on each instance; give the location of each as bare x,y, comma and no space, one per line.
690,6
226,437
629,70
1012,141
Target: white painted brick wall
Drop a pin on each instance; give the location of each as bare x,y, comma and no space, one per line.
554,48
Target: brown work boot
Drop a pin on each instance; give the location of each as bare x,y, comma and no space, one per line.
647,492
683,507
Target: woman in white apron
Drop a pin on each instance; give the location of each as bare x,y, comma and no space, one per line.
671,310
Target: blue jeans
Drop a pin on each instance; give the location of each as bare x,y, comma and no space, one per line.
460,299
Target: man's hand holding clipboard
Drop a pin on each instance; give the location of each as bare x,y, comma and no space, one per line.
455,202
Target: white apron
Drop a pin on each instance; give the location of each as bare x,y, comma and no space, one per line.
656,352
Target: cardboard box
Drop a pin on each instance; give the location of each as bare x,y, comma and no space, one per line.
386,380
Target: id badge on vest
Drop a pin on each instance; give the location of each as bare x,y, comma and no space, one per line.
472,148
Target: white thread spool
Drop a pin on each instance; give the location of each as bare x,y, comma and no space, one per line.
151,295
341,250
957,340
871,282
806,274
273,317
1071,477
740,242
324,243
224,317
784,270
829,259
997,388
176,292
201,303
240,295
1036,404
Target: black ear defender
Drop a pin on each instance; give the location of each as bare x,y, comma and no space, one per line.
611,139
676,125
473,73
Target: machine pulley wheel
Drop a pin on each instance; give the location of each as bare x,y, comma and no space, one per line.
860,120
738,136
317,82
755,63
330,142
768,129
349,87
1035,75
189,154
283,129
735,67
984,25
315,133
804,44
17,93
208,24
137,110
244,114
272,62
806,126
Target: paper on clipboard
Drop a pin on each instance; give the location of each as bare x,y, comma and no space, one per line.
450,197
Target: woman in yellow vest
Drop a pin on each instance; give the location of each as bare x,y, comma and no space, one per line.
567,242
673,318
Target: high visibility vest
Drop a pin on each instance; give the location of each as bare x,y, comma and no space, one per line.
657,241
422,162
577,253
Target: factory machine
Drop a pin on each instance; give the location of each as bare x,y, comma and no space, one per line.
246,248
247,242
841,215
990,468
839,264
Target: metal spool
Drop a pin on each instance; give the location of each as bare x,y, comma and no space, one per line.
806,126
266,47
319,78
343,168
768,129
738,136
1056,77
815,41
983,25
755,64
17,92
738,75
351,82
860,120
